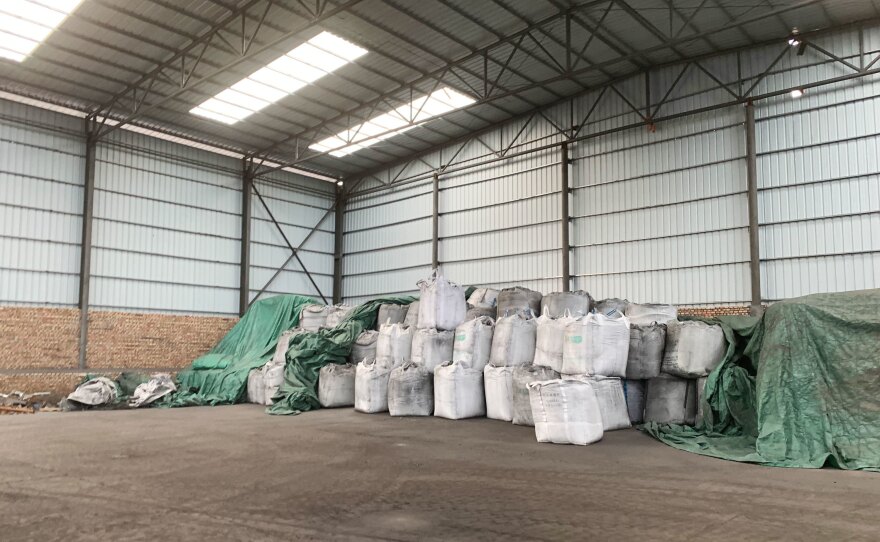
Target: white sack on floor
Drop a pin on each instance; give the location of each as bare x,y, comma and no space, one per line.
646,345
391,313
157,387
430,348
336,385
523,375
273,377
485,298
549,338
634,390
441,305
693,348
336,314
644,314
313,317
458,391
371,386
256,387
364,347
596,345
565,412
411,391
513,342
394,344
473,342
671,399
412,315
577,303
498,383
518,299
94,392
612,401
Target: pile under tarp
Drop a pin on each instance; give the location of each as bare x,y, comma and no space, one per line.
799,387
309,352
220,376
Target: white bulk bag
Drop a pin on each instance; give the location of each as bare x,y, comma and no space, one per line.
336,385
394,344
634,391
364,346
412,315
693,348
646,344
411,391
513,342
577,303
273,377
336,314
523,375
313,317
477,312
430,348
391,313
371,386
158,386
596,345
518,299
549,338
442,304
612,401
565,412
671,399
283,344
498,383
458,391
473,342
701,389
606,306
97,391
485,298
647,313
256,388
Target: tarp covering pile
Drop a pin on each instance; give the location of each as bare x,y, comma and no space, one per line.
799,387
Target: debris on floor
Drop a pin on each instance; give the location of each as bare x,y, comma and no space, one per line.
19,402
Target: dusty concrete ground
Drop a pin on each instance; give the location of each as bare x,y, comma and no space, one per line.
234,473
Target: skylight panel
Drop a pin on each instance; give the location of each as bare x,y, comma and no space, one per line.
24,24
283,76
396,122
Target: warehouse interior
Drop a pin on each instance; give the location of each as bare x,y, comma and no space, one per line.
187,185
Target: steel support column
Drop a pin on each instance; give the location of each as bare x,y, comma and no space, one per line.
435,223
85,255
244,284
752,182
338,249
564,220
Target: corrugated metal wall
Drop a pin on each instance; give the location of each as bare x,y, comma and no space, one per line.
41,190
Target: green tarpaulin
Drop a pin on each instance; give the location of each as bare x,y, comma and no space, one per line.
799,387
220,376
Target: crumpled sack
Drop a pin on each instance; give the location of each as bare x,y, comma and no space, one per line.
94,392
157,387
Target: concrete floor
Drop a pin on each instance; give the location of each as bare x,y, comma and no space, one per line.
234,473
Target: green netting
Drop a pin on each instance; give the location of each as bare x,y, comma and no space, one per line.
310,351
220,376
799,387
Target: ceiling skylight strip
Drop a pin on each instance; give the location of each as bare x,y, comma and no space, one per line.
283,76
396,122
24,24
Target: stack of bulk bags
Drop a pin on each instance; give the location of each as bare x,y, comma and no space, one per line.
458,391
612,401
648,314
371,386
391,313
430,348
473,342
498,383
549,338
693,348
701,389
442,305
477,312
336,385
313,317
577,303
671,399
364,347
412,315
411,391
518,299
483,298
514,340
634,391
646,346
566,412
336,315
596,345
607,306
264,382
524,375
394,344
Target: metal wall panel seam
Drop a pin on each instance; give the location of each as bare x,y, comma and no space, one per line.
822,255
821,144
496,178
690,234
819,181
380,271
374,205
386,225
660,269
17,143
473,233
169,175
157,200
502,256
816,109
658,173
657,141
38,178
40,209
818,218
164,228
291,225
659,205
501,203
386,247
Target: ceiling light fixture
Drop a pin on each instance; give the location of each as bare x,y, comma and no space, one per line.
283,76
797,93
393,123
24,24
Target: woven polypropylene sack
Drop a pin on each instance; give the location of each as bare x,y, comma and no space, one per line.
431,347
411,391
392,313
483,298
498,383
693,349
364,347
596,345
518,299
522,377
337,314
458,391
644,314
273,377
336,385
371,386
256,388
612,401
313,317
412,315
634,391
671,399
607,306
549,339
442,304
646,345
513,342
557,304
394,344
565,412
472,343
478,312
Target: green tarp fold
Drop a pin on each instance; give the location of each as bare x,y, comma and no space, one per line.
799,387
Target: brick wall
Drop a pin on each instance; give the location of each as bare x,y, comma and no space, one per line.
709,312
39,346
